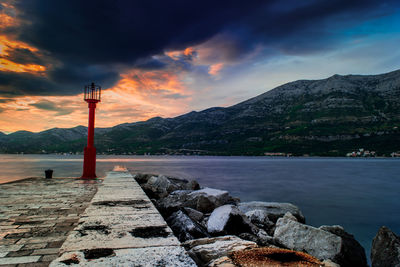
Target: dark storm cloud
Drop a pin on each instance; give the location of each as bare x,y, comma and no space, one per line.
16,84
61,81
50,106
79,74
23,56
90,38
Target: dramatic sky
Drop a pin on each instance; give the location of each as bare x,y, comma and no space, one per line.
165,58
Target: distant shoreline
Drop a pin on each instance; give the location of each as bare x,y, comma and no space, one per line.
211,155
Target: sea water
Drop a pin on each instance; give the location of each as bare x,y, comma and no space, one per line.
361,194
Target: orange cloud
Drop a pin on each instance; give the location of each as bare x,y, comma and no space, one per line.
7,65
175,55
215,69
138,96
188,51
6,46
5,19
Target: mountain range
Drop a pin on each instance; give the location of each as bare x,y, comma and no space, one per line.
328,117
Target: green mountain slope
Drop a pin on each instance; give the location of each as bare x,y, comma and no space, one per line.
318,117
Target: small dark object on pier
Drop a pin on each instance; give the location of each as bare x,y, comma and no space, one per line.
91,254
149,232
49,173
113,203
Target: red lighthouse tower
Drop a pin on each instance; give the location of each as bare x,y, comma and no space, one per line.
92,96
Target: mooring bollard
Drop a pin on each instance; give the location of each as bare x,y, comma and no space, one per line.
49,173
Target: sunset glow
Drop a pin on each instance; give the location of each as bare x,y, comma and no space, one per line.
186,63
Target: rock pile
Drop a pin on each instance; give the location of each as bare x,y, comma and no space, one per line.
385,250
213,226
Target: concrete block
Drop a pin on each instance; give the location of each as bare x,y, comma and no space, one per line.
169,256
18,260
7,248
114,239
122,221
45,251
3,254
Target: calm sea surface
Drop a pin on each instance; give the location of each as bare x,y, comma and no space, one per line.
359,194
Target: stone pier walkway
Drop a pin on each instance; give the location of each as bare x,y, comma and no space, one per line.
36,216
121,227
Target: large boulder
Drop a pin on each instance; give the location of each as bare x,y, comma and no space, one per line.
142,178
261,238
174,202
185,228
193,214
159,186
320,243
228,219
352,252
260,218
264,212
385,250
208,199
204,200
184,184
205,250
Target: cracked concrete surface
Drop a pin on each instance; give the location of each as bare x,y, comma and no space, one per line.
121,227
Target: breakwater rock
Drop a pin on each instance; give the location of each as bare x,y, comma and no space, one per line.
385,249
219,230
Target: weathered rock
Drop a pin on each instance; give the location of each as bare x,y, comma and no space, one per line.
159,186
142,178
228,219
289,216
329,263
174,202
249,237
352,252
205,204
272,210
185,228
320,243
262,239
205,220
208,199
301,237
385,250
193,214
192,185
184,184
181,183
260,219
204,200
204,250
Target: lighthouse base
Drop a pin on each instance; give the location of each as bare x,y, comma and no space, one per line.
89,163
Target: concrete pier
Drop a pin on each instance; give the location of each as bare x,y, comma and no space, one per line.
36,216
121,227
